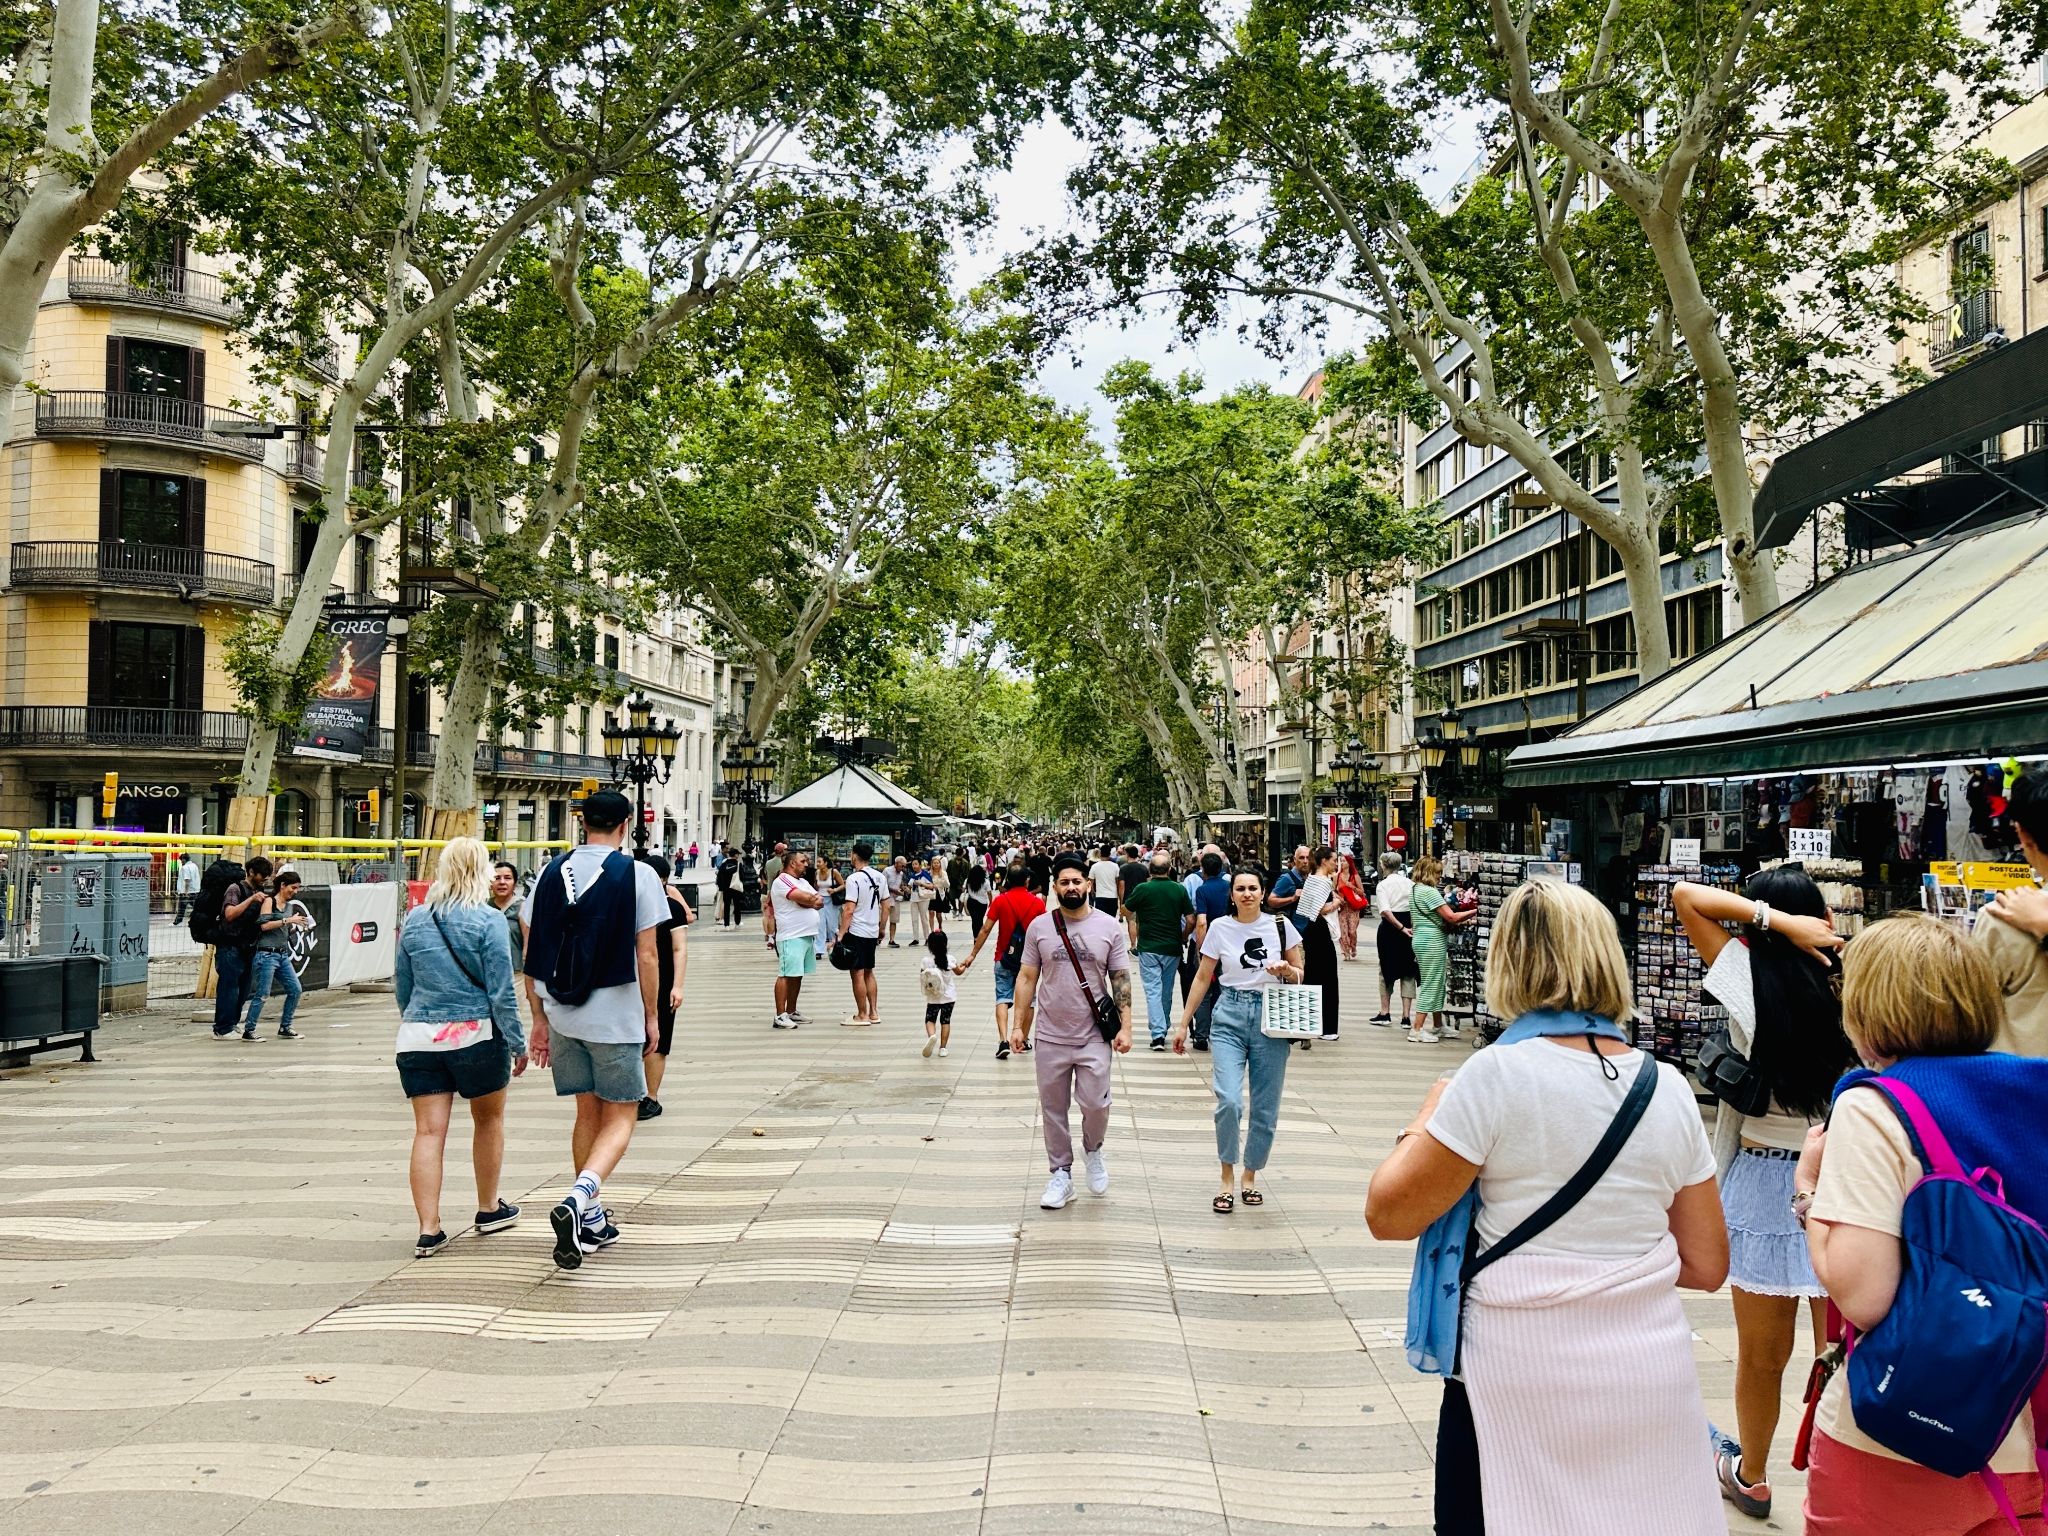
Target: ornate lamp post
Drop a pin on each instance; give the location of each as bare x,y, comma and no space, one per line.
747,772
640,753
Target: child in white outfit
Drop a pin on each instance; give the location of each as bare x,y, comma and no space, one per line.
935,976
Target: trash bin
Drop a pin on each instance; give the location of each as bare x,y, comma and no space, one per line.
32,996
82,976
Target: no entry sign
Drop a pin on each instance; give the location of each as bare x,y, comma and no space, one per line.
1397,838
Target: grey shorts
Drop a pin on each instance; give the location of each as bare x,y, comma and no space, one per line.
615,1073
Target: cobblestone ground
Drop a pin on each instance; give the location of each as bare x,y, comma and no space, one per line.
837,1306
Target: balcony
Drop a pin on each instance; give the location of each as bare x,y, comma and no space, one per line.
305,462
121,725
324,362
1967,327
95,280
288,591
89,565
503,762
102,413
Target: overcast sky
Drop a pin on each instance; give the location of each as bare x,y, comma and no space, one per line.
1031,198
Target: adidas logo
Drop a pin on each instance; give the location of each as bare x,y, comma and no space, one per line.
1977,1298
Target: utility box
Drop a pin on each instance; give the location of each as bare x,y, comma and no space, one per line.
74,905
127,932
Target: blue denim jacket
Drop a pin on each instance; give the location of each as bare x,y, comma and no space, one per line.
431,986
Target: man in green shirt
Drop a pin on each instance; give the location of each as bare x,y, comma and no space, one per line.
1161,915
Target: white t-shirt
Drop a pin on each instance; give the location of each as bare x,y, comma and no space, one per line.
1242,951
793,921
1729,979
1104,873
1531,1114
610,1015
1394,893
866,890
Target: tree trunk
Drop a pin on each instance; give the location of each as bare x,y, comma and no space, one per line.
451,789
1643,569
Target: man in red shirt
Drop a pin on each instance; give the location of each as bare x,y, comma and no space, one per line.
1008,916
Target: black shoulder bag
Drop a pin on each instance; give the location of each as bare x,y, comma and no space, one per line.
1458,1508
1109,1019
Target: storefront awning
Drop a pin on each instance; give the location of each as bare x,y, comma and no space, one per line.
1938,653
1956,413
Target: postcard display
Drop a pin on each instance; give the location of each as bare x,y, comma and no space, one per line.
1493,876
1671,1015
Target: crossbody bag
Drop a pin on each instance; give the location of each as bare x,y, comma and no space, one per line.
1109,1019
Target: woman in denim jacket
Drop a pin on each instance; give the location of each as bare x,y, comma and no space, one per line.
459,1032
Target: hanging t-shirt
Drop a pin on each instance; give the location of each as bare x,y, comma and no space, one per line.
1242,951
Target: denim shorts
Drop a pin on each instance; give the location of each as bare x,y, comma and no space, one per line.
796,957
474,1071
1006,984
614,1072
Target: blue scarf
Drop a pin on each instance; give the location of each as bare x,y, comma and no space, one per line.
1436,1288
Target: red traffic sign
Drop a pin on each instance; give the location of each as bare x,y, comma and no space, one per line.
647,815
1397,838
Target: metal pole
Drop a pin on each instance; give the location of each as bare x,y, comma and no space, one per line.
639,815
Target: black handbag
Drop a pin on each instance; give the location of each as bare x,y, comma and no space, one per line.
1731,1077
1109,1018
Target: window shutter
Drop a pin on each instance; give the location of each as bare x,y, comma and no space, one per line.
99,661
110,504
195,378
195,511
192,668
117,358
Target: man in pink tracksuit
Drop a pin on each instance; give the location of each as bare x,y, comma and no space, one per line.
1053,987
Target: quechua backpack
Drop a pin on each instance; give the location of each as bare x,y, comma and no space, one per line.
1945,1374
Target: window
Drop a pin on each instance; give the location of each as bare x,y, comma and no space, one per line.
1614,645
1429,480
158,368
1500,673
419,708
1969,262
1471,530
611,652
1468,606
142,507
145,666
1693,622
1535,664
366,565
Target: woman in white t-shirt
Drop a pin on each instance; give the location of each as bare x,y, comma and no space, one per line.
1244,953
1576,1354
1777,985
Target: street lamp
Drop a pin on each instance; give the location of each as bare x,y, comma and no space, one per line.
641,752
747,771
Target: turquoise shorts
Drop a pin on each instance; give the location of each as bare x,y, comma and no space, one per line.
797,957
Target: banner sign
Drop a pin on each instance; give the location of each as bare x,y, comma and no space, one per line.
341,722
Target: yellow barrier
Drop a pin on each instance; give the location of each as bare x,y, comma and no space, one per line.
68,837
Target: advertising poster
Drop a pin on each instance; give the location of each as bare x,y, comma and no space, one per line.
362,933
341,721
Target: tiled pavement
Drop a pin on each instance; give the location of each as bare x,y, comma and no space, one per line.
837,1307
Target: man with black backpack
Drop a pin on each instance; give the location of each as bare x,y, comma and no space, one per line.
1008,916
593,977
224,914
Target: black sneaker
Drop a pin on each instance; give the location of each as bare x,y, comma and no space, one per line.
1027,1047
250,1036
1002,1053
1381,1019
568,1252
498,1220
594,1238
649,1108
1158,1045
288,1033
429,1244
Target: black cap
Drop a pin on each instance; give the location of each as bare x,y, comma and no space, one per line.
605,810
1070,861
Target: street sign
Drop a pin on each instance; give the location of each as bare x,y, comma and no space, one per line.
1397,838
647,815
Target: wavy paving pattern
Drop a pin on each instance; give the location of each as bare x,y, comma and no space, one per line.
837,1308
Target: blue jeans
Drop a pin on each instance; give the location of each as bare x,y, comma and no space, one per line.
230,987
1235,1048
1157,973
263,966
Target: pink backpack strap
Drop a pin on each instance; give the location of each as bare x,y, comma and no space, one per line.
1941,1157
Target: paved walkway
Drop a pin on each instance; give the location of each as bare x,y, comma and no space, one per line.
837,1307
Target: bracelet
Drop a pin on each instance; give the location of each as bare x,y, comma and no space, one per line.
1802,1203
1762,920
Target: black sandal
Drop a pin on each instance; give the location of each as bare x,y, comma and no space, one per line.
1223,1205
1254,1197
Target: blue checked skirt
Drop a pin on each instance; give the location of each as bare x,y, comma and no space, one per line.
1767,1253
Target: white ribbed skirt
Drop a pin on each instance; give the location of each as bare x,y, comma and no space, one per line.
1585,1399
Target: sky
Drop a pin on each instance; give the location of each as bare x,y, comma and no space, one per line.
1030,199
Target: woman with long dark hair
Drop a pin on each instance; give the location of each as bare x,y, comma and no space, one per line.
1318,944
1777,982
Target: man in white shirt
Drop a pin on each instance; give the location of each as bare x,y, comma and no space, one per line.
899,892
1104,872
860,929
791,913
188,886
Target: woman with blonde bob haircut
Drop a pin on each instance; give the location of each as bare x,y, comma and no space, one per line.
1579,1324
458,1033
1922,1006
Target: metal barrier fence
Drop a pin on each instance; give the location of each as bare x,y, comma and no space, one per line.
176,960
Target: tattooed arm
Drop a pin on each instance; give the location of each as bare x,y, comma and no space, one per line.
1120,989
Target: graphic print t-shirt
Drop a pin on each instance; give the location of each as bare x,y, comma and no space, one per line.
1242,951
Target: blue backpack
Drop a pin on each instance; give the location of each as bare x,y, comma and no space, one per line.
1943,1376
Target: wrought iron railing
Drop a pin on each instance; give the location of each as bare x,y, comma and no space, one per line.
1963,328
74,564
157,285
154,418
122,725
305,460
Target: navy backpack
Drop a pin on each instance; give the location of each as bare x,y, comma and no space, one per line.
1943,1376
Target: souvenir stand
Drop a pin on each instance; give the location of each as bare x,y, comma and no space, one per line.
1671,1014
1492,876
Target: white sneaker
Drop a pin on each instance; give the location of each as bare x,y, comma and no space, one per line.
1098,1172
942,1050
931,1043
1059,1189
1424,1037
785,1021
797,1018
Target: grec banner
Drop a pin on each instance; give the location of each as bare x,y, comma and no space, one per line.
341,721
